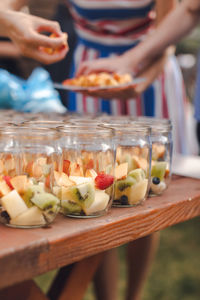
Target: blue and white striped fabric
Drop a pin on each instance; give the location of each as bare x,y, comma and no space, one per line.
106,28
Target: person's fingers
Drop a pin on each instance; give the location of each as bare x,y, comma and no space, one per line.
41,40
82,69
42,25
43,57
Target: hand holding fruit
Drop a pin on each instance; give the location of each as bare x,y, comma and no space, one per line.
26,33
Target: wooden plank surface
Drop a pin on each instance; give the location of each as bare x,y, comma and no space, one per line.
25,253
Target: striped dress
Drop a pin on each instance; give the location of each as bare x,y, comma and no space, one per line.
106,28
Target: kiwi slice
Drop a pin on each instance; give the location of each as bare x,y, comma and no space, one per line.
159,169
27,197
121,185
83,194
70,207
45,200
137,174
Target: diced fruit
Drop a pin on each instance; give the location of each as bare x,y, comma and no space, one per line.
100,203
155,180
32,217
7,180
90,173
9,164
75,169
46,169
157,189
121,171
103,181
56,191
80,180
44,200
83,194
158,151
27,197
13,204
66,165
121,185
19,183
47,181
69,207
37,170
158,169
4,188
62,179
167,173
2,168
135,193
90,164
41,161
137,174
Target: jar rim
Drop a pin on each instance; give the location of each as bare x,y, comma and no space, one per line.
84,128
129,128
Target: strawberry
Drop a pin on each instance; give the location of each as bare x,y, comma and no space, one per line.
66,164
7,180
103,181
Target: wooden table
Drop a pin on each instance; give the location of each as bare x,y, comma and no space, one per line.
28,253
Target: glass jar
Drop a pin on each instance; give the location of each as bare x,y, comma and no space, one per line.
43,123
162,146
85,182
132,164
27,158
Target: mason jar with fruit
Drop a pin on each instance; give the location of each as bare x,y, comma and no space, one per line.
84,184
162,145
27,160
132,163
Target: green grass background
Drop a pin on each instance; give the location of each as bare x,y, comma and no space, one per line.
175,272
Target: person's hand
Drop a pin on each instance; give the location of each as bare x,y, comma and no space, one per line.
119,64
26,33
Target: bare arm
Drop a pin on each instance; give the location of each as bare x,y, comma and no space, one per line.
175,26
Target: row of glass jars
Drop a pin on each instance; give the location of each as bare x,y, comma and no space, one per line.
80,167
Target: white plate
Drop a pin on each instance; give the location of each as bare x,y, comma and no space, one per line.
61,86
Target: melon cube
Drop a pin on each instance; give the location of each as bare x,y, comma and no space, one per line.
13,204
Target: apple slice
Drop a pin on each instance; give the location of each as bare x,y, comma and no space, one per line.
66,166
80,179
32,217
20,183
4,188
100,203
90,173
62,179
14,204
121,171
75,169
2,168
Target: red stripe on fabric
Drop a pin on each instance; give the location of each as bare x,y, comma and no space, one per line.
164,98
127,108
138,106
114,36
84,57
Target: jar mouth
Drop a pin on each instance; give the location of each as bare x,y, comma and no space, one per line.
128,128
45,124
26,130
96,129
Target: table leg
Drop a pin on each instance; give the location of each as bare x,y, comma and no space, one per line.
72,281
27,290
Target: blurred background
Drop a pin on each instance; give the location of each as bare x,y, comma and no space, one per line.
175,274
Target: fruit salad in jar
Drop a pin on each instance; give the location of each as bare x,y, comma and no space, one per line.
82,190
160,169
131,176
26,199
